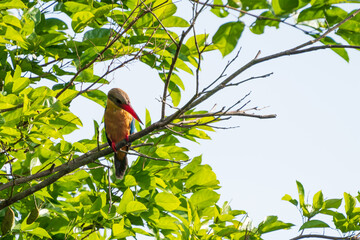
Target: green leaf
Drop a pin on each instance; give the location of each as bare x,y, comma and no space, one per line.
318,200
332,203
12,20
203,177
20,84
175,79
284,6
175,93
320,3
135,207
271,223
40,232
340,51
335,15
174,21
310,14
119,231
147,118
65,147
68,95
168,223
95,34
61,72
97,205
198,134
14,35
252,5
49,24
204,198
75,7
172,152
129,181
164,11
219,11
104,10
353,38
227,36
80,20
259,26
126,198
193,45
350,203
80,147
167,201
314,224
142,232
97,96
336,215
12,4
301,192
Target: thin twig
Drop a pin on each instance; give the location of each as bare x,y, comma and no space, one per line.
136,153
322,236
229,113
110,191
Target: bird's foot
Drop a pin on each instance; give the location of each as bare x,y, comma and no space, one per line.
113,146
127,140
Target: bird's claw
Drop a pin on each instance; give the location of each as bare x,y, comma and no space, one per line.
127,140
113,146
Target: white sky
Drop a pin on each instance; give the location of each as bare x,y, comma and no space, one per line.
315,138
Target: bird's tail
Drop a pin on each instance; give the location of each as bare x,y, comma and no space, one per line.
121,163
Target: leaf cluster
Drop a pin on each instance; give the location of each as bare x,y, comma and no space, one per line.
347,221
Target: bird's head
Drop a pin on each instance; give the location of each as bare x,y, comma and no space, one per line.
121,100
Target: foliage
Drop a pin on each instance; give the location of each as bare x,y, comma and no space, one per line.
348,221
46,190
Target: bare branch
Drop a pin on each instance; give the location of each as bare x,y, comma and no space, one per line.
172,66
323,236
229,113
154,158
260,60
249,79
223,72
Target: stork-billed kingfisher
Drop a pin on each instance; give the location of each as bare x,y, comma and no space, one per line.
119,124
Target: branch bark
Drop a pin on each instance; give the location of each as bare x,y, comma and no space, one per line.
323,237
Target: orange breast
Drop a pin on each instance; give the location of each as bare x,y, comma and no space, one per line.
117,122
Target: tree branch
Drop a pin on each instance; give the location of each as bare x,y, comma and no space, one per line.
323,236
172,66
230,113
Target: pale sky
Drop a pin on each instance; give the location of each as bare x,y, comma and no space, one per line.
315,138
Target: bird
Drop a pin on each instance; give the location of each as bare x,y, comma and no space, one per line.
119,120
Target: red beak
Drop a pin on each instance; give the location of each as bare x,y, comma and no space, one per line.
129,109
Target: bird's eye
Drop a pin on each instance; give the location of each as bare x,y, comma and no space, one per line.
118,101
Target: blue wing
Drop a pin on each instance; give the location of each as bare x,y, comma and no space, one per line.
132,126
